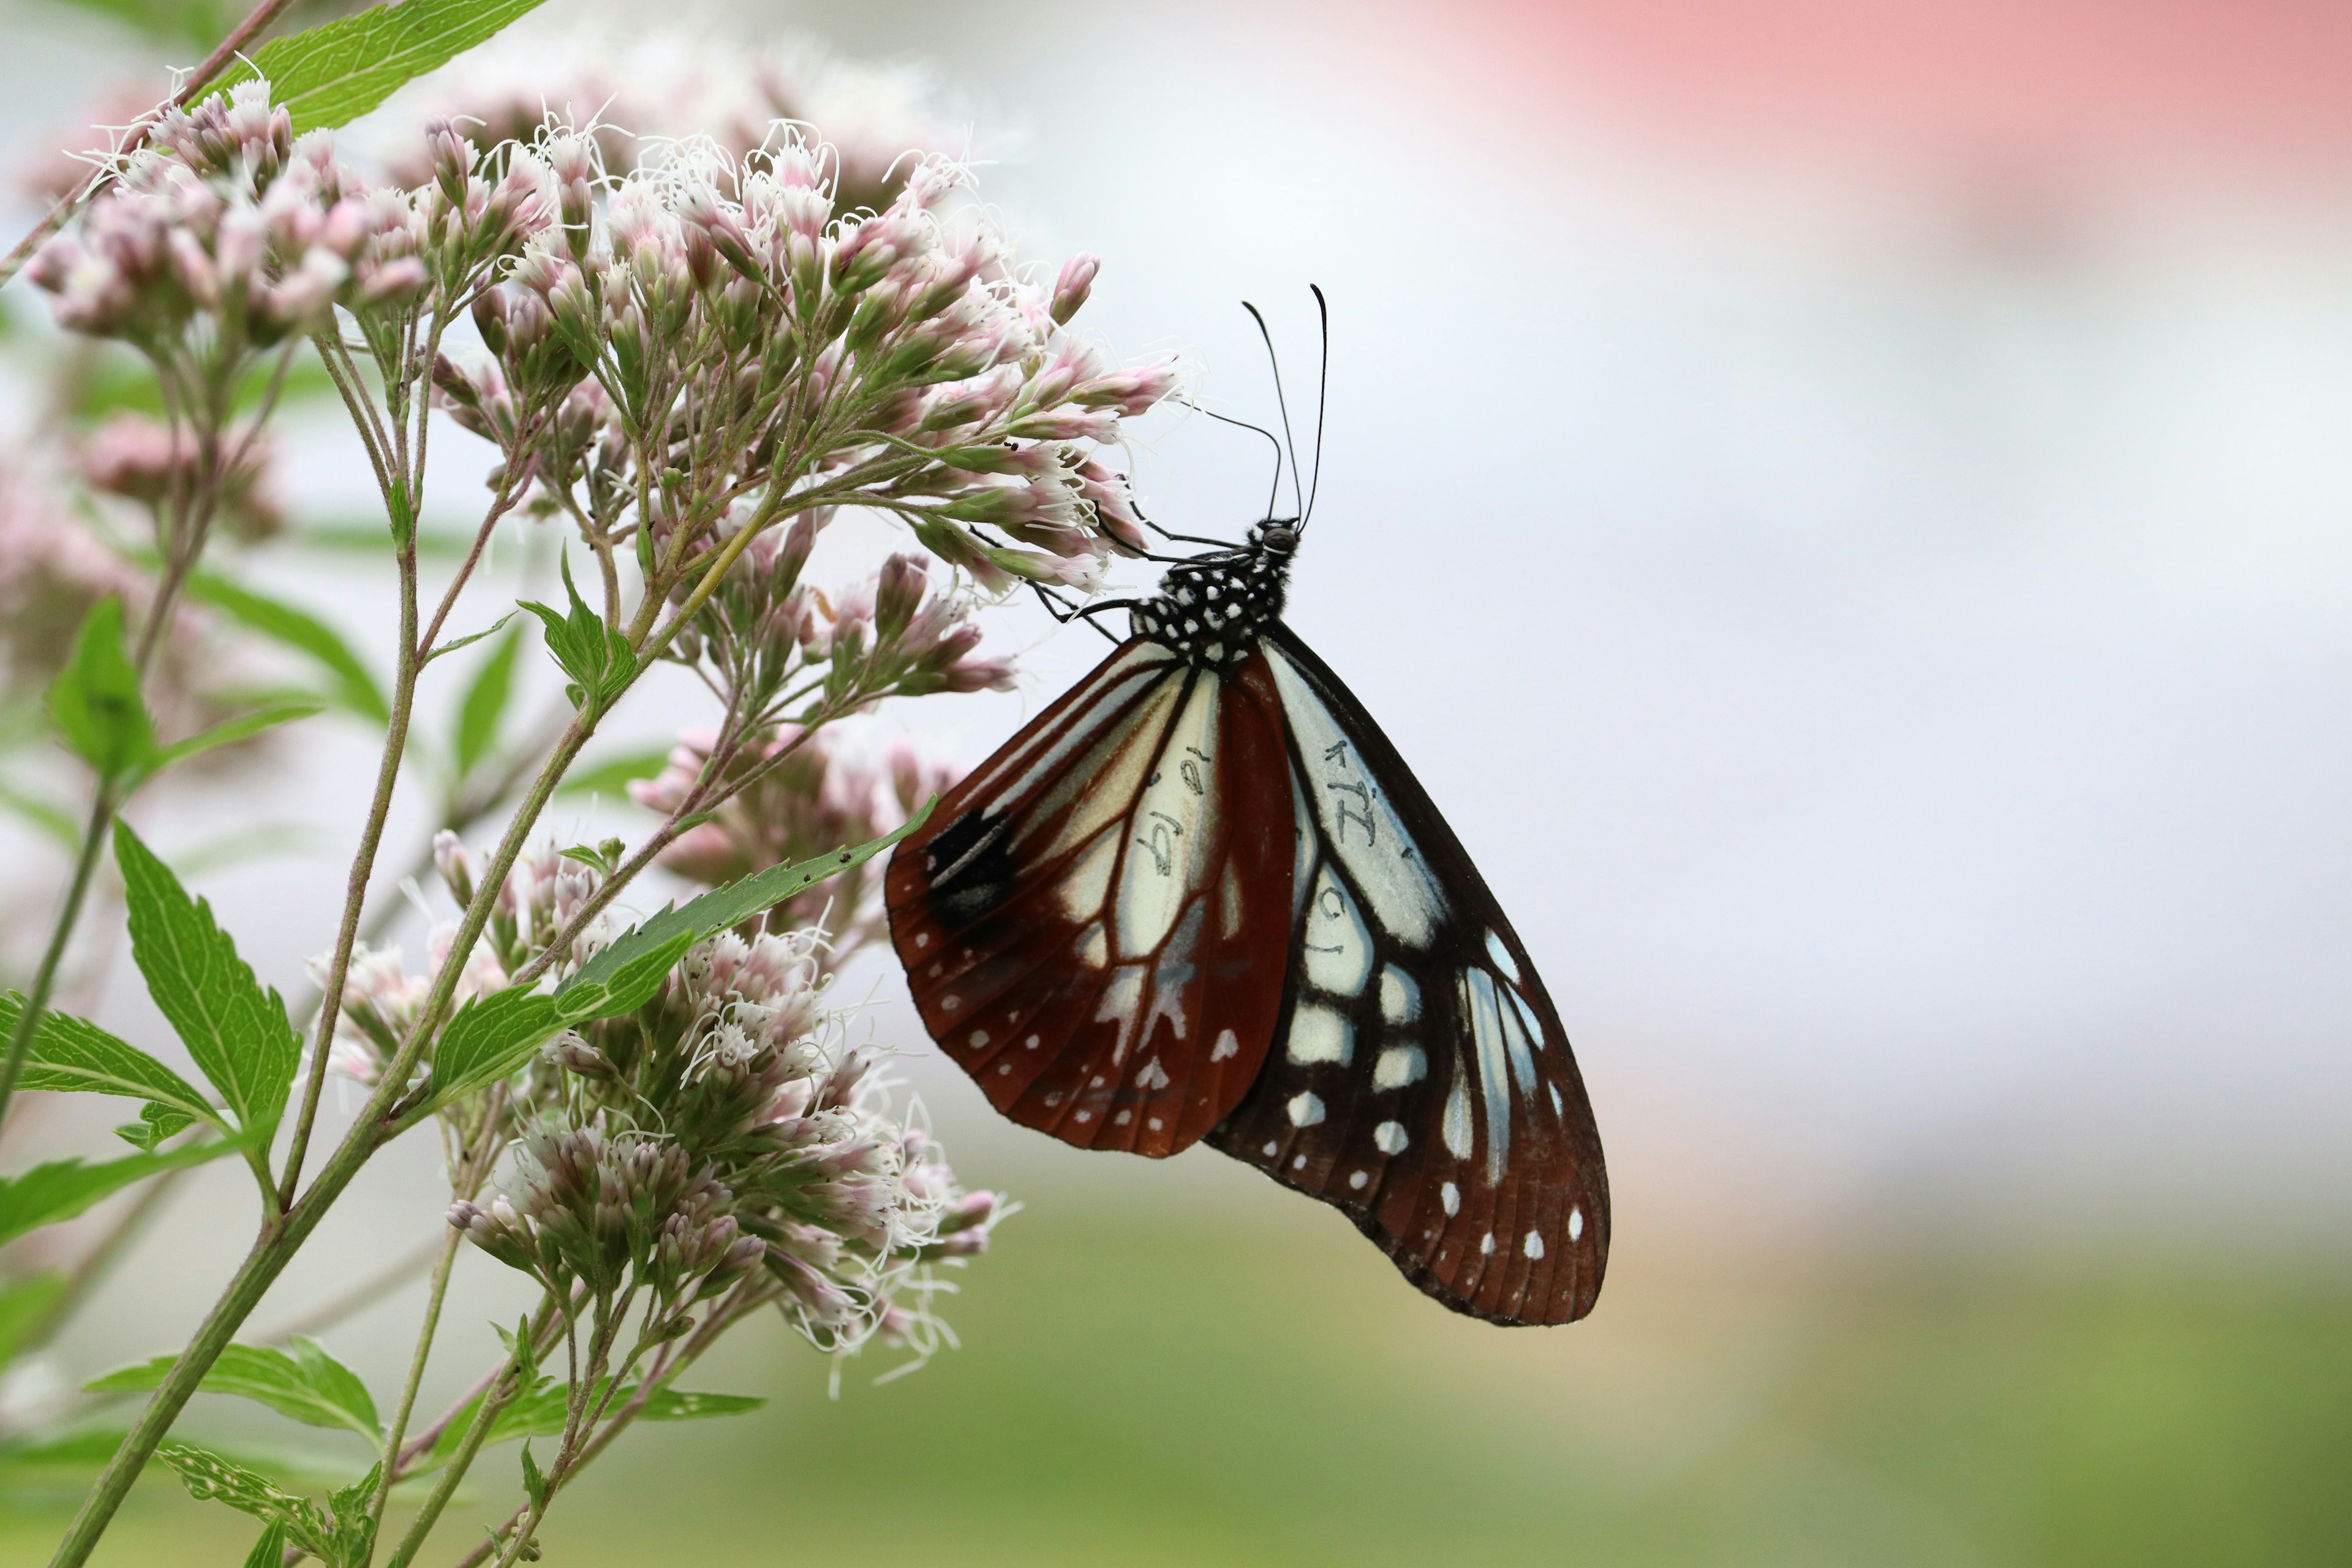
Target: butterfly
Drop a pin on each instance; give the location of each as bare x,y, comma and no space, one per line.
1201,896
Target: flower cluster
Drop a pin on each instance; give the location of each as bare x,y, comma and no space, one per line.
726,1125
225,232
152,463
759,353
634,91
819,790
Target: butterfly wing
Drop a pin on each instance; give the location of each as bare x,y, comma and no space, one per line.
1093,923
1419,1078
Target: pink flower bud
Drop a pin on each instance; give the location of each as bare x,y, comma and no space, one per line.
1077,282
897,591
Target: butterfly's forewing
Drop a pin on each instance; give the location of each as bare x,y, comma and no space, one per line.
1419,1076
1093,922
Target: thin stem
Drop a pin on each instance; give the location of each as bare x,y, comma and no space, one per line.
44,978
203,76
399,1428
502,1387
388,779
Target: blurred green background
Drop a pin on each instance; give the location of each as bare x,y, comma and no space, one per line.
1846,505
1154,1385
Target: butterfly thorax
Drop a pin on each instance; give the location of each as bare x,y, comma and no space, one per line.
1212,609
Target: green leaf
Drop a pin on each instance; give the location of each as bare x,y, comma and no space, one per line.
70,1054
470,638
308,1385
269,1552
723,907
214,1477
490,1037
85,1450
335,72
534,1485
230,729
95,699
155,1124
597,656
486,703
354,1530
63,1188
22,1303
626,986
355,687
235,1030
608,777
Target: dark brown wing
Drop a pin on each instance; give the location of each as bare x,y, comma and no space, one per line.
1095,923
1420,1079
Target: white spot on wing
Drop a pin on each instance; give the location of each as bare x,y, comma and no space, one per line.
1319,1035
1504,963
1229,902
1357,1180
1534,1244
1389,1138
1451,1196
1456,1128
1120,999
978,1039
1399,997
1228,1046
1528,1017
1399,1066
1576,1225
1304,1109
1093,947
1153,1076
1487,1244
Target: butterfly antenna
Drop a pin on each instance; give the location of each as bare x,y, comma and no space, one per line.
1322,401
1253,430
1281,403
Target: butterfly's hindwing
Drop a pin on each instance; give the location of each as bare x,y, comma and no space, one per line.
1419,1078
1092,922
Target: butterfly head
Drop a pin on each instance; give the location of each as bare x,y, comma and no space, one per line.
1277,536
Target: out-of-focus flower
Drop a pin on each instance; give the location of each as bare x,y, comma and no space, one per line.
147,461
831,789
633,90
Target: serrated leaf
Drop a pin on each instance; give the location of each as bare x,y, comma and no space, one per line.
22,1303
485,704
335,72
627,986
613,776
95,702
597,656
237,1031
69,1054
306,1384
730,905
214,1477
490,1036
227,731
355,686
63,1188
155,1124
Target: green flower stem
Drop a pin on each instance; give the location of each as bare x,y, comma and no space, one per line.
398,1429
37,999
